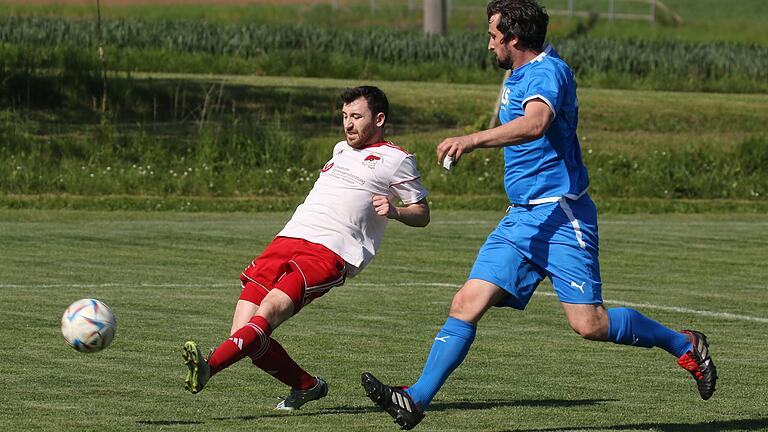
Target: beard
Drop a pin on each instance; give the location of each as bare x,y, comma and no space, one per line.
505,63
361,138
503,58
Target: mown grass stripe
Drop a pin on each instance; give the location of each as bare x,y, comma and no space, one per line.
722,315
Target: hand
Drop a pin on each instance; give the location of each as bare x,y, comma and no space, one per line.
455,147
384,208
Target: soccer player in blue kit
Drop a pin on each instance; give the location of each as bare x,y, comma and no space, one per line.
550,227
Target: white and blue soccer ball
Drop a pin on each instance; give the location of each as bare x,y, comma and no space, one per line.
88,325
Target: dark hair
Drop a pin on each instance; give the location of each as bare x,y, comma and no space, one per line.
377,100
524,19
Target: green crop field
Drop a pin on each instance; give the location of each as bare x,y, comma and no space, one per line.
703,20
173,276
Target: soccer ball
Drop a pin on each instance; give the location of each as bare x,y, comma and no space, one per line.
88,325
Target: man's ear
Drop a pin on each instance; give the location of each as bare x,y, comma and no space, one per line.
511,42
380,119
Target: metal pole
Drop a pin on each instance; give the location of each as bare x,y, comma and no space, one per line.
570,8
434,17
611,9
411,7
373,7
102,62
335,4
653,11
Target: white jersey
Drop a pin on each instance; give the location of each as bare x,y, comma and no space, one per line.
338,213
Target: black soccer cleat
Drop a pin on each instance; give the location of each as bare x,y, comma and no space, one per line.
698,362
394,400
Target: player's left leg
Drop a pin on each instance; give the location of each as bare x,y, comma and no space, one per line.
627,326
624,326
571,256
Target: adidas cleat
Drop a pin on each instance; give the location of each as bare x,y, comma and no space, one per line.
394,400
698,362
297,398
199,372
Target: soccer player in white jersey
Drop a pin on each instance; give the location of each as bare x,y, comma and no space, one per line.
550,227
333,235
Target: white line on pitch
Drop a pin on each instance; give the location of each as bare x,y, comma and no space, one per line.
724,315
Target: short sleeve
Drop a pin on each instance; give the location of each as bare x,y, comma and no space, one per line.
546,85
406,182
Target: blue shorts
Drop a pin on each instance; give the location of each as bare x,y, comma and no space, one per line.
557,240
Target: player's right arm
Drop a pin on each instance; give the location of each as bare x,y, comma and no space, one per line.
532,125
415,214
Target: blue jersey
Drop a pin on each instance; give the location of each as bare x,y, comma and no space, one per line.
546,169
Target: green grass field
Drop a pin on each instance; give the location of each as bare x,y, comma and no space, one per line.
172,276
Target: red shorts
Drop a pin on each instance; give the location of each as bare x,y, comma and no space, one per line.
301,269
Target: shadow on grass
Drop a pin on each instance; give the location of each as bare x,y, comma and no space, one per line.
723,425
476,405
531,403
168,422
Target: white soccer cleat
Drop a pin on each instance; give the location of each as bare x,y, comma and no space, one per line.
297,398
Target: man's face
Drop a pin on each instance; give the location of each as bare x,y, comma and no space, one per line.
497,45
361,128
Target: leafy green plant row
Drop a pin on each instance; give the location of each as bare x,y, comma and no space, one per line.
588,56
238,158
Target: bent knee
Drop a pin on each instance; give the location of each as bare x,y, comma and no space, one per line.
458,303
464,308
595,331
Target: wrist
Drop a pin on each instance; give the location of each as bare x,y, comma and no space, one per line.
474,140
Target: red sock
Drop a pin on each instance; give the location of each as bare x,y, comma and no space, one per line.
276,362
252,338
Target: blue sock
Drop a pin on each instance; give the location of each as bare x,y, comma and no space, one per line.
630,327
448,351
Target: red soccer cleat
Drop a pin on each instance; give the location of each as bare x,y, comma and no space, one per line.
698,362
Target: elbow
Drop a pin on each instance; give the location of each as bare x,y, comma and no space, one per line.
538,130
424,220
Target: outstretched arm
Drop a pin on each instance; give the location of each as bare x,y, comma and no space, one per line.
415,215
532,125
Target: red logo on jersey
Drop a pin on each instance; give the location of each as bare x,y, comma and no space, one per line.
371,160
327,166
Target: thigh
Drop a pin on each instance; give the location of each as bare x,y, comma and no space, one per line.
318,269
576,266
564,242
474,299
501,263
261,275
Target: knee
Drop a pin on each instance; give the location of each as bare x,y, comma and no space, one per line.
462,307
590,332
276,308
460,303
591,328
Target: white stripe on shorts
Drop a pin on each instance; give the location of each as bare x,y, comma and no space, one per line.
574,222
